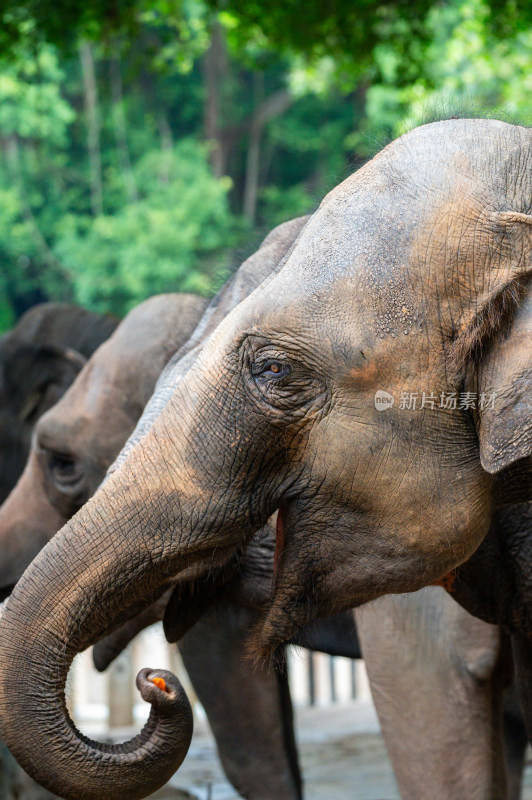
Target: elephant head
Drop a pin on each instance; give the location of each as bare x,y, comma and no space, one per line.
39,359
77,439
397,288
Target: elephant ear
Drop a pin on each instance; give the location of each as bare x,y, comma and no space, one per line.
505,371
505,430
38,375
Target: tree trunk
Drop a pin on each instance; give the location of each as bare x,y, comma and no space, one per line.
93,124
272,107
120,130
251,186
167,143
215,67
42,246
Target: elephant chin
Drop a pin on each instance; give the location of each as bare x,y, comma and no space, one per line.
271,633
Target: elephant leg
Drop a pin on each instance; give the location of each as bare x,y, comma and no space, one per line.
522,652
249,709
437,680
515,741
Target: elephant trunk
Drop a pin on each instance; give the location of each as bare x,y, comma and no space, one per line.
164,509
70,596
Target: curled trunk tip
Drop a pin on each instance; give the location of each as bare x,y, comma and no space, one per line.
90,770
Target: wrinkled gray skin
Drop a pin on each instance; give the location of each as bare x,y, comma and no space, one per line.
39,359
432,237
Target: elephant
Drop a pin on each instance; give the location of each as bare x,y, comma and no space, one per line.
402,282
73,445
89,424
39,359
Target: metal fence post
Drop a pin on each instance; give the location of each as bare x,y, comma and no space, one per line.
120,691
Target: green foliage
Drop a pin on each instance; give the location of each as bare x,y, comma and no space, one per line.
31,106
342,33
279,204
172,239
467,70
34,127
344,29
109,191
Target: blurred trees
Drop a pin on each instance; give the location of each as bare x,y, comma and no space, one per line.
143,142
34,132
173,233
468,69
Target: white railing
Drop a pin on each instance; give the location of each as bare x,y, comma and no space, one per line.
110,701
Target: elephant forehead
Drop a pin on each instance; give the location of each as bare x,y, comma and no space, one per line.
367,222
369,261
353,260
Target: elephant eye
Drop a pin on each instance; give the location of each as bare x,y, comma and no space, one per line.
272,369
64,470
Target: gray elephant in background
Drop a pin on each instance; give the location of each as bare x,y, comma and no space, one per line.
39,359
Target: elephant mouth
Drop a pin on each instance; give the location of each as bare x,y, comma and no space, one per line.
5,591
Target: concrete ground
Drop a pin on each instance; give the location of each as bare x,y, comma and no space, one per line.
342,755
